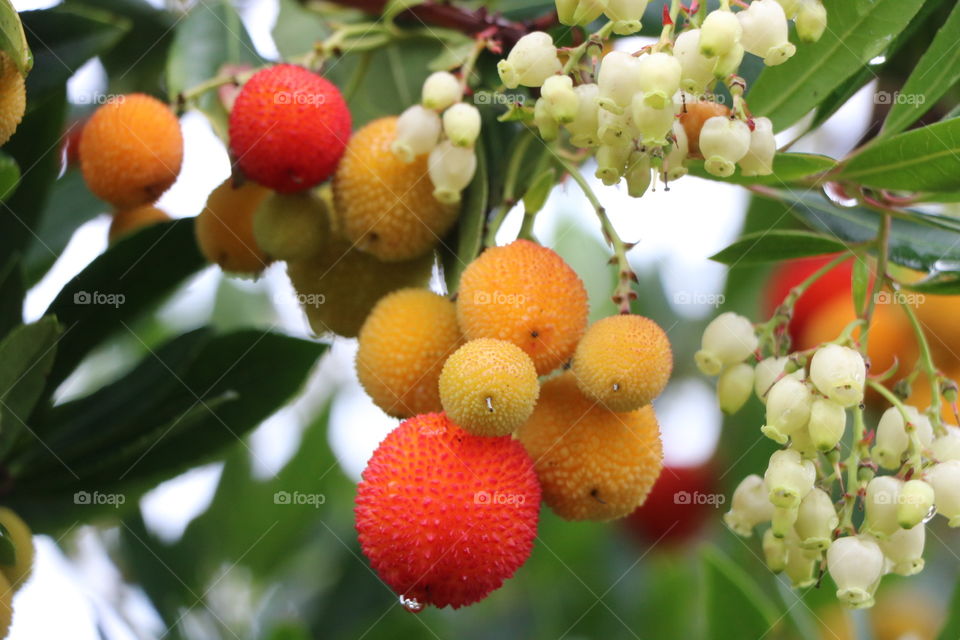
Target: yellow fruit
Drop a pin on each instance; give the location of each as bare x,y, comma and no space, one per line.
129,220
6,606
131,150
339,285
593,464
525,294
13,98
489,387
225,228
623,362
403,345
291,226
22,538
383,205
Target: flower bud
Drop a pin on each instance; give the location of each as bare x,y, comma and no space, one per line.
828,421
763,147
788,409
811,20
723,142
774,551
916,501
944,477
789,478
734,387
783,520
801,566
531,61
451,169
547,125
904,550
816,521
418,130
613,128
696,69
839,373
947,447
728,339
583,127
563,100
612,162
881,501
749,507
619,80
856,565
461,124
440,90
659,78
764,32
638,174
626,15
892,440
673,163
720,33
652,124
768,371
729,63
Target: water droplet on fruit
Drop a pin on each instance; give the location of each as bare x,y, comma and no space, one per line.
930,514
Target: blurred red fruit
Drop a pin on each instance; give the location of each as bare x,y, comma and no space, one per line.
681,502
832,285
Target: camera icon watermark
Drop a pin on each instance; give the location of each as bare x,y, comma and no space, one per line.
300,98
900,297
297,498
484,498
498,297
698,298
697,498
496,97
96,498
885,97
88,298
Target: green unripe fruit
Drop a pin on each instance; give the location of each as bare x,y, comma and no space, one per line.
291,226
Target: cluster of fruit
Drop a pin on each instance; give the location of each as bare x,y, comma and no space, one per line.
809,492
449,502
16,562
625,106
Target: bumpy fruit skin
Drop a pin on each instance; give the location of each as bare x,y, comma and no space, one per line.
22,538
129,220
291,226
525,294
623,362
13,98
384,205
489,387
131,150
339,285
593,464
403,344
6,606
444,516
288,128
692,118
224,228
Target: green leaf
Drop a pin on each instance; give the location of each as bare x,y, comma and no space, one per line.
728,588
63,39
937,71
464,242
26,357
298,28
858,31
13,41
8,551
860,283
944,284
925,159
133,275
12,292
210,36
773,246
951,630
787,168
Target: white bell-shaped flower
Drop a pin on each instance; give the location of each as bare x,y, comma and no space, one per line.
583,127
811,20
547,125
418,131
790,7
783,520
816,520
619,80
880,503
904,550
801,442
765,32
626,15
916,500
719,33
728,339
729,63
789,478
774,551
451,169
461,124
440,90
947,446
579,12
763,148
639,174
723,142
944,477
892,439
652,124
559,94
613,128
659,78
696,69
531,61
674,162
828,421
839,373
788,409
856,565
801,565
749,507
612,162
768,371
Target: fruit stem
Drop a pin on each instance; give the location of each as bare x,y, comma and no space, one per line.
883,249
852,463
624,293
215,82
666,34
929,368
595,39
467,68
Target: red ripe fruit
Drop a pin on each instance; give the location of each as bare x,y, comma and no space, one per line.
288,128
444,516
833,284
680,503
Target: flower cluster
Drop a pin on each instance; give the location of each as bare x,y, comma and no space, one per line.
808,493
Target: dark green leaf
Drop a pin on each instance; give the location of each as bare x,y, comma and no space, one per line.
774,246
211,36
464,242
63,39
860,282
951,630
787,168
8,551
937,71
858,31
12,292
298,28
134,274
13,41
946,284
728,588
925,159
